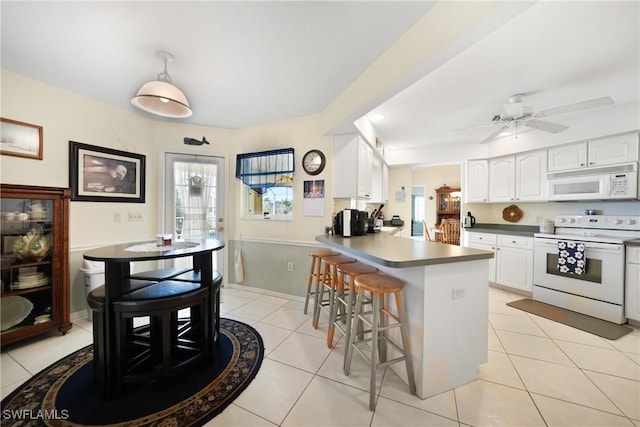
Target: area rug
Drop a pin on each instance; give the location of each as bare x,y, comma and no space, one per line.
64,394
602,328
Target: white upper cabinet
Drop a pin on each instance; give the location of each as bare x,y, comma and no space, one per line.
518,178
567,157
502,177
476,188
601,152
364,165
531,176
358,172
376,179
611,151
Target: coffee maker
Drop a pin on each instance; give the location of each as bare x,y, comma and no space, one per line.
350,222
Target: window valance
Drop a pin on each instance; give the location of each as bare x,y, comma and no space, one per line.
265,169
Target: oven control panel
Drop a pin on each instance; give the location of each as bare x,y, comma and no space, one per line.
610,222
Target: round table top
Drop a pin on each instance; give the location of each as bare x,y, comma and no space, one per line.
147,251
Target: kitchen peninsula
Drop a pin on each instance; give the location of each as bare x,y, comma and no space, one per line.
447,298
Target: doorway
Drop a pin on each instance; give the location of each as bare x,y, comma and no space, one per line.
194,200
418,207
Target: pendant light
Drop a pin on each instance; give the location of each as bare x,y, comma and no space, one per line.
160,97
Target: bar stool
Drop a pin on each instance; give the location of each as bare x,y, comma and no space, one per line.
315,273
329,280
169,347
95,301
379,285
345,298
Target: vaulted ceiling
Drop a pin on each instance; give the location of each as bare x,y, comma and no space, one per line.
247,63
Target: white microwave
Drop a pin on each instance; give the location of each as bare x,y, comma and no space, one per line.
604,183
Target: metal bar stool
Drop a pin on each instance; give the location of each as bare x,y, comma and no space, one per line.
345,297
329,280
315,273
379,285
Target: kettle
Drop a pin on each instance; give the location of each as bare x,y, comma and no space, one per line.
469,221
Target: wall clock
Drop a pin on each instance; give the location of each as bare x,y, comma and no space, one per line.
313,162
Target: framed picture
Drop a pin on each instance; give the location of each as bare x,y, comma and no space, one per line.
98,174
20,139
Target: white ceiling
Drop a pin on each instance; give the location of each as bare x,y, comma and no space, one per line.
246,63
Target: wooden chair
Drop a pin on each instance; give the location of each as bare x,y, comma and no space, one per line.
451,231
427,236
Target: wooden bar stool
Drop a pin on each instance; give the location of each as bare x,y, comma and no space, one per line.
315,273
345,298
329,279
379,285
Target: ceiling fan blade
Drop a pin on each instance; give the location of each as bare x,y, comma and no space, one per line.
496,133
474,127
545,126
584,105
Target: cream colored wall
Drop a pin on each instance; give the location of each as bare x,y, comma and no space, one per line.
432,178
400,177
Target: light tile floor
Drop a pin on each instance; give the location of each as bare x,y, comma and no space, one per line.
539,373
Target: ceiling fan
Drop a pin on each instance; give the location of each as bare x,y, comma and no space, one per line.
516,113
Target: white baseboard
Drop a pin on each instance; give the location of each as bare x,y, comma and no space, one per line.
263,291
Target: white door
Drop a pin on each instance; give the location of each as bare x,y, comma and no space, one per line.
194,200
531,176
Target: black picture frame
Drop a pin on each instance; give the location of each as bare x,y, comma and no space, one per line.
99,174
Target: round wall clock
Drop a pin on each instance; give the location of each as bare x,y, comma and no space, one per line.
313,162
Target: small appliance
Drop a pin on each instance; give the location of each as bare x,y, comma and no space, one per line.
618,182
469,220
350,222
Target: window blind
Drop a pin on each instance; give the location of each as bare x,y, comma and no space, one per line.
263,170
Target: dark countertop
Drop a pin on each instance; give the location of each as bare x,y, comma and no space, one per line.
401,252
635,242
514,230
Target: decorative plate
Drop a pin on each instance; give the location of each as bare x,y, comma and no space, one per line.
512,213
13,310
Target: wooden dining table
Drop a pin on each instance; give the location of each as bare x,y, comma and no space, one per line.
117,259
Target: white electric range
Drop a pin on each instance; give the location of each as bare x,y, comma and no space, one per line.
597,289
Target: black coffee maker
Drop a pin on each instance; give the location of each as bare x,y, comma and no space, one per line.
350,222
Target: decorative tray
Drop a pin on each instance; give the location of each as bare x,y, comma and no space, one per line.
512,213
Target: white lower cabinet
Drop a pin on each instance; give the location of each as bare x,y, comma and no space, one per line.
512,265
632,297
487,242
514,261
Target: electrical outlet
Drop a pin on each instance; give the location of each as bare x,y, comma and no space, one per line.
290,266
457,293
135,216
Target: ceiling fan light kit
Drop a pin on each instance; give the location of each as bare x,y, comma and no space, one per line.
161,97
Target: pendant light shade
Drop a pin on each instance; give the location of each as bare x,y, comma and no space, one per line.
162,98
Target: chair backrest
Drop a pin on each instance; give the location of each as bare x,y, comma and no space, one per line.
426,230
451,231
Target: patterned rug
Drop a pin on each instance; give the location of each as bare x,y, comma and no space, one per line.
64,394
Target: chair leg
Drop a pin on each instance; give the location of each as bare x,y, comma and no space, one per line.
404,331
312,276
354,325
374,357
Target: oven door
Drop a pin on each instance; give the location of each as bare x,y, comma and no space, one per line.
603,279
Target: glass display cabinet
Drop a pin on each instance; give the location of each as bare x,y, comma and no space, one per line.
34,270
448,204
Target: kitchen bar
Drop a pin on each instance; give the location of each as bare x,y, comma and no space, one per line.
446,293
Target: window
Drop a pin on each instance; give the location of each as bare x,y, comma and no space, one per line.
269,176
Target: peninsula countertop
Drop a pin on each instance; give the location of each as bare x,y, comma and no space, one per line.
401,252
